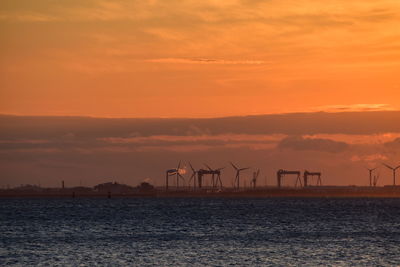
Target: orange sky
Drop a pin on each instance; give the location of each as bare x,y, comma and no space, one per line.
197,58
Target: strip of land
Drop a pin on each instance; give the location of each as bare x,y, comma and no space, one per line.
272,192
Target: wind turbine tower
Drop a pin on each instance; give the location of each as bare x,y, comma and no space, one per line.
394,169
376,178
370,175
194,173
172,172
237,177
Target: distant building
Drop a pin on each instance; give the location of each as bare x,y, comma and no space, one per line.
28,188
145,187
115,188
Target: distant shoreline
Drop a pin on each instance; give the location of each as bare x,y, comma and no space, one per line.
345,192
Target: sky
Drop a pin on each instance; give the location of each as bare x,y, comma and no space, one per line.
97,90
187,58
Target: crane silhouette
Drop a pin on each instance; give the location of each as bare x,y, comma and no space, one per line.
394,169
280,173
254,180
215,180
312,174
237,177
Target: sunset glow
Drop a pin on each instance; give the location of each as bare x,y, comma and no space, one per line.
198,58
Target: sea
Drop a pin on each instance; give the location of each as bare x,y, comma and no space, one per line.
200,232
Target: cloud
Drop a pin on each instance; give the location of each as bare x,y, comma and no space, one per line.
395,144
353,139
226,138
142,143
324,145
205,61
354,107
369,158
294,124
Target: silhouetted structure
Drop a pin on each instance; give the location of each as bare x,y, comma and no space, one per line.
376,178
394,169
215,177
370,175
200,175
253,182
307,174
29,188
236,183
193,176
172,172
281,173
114,188
145,187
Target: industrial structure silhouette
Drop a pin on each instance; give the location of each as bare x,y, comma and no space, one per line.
197,178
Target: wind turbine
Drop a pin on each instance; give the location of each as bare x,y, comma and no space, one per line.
370,175
394,172
172,172
178,175
376,178
194,172
237,177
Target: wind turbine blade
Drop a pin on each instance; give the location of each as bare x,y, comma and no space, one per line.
258,173
220,168
397,167
388,166
179,165
191,167
242,169
208,167
233,165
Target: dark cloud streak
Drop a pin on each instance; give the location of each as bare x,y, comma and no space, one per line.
86,128
323,145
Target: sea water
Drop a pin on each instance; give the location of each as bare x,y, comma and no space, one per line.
199,232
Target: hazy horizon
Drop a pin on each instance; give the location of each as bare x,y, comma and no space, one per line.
324,109
85,150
